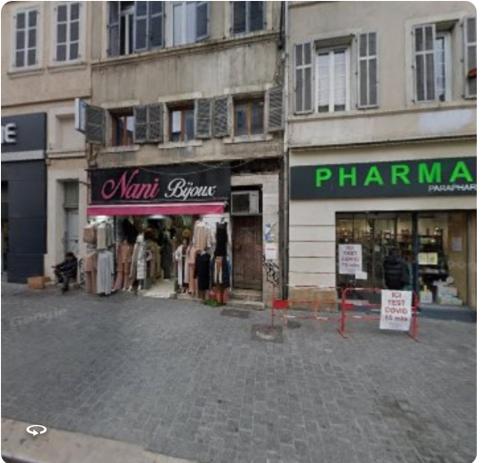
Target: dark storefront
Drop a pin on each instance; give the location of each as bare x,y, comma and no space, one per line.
23,196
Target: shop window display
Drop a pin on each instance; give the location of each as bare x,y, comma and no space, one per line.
437,254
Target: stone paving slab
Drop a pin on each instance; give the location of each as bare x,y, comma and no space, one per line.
176,378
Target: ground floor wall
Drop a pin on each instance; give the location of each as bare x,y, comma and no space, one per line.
313,223
61,172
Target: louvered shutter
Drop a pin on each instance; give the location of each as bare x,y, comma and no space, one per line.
95,125
367,70
303,77
156,24
275,112
141,124
470,60
202,12
113,29
424,37
220,119
203,117
155,123
141,35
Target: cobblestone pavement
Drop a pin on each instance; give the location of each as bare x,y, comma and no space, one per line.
179,379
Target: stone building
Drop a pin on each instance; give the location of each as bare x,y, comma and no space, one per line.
381,134
45,66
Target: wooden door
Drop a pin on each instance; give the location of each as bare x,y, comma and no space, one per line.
247,252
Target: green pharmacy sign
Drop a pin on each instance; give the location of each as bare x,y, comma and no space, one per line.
424,177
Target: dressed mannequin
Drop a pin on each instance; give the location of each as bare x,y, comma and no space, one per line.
138,264
180,258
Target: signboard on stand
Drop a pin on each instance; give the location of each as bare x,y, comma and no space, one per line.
350,259
395,310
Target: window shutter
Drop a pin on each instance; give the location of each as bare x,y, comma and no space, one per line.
155,122
470,57
424,38
156,24
202,20
141,124
141,26
239,17
367,70
95,125
275,112
256,16
220,119
113,29
303,77
203,117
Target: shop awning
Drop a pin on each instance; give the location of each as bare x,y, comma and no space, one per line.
152,209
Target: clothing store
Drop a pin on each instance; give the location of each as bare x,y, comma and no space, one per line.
159,231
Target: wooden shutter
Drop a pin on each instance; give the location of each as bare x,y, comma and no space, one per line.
275,111
470,58
202,12
424,37
141,124
141,33
113,29
367,70
303,77
156,24
220,119
95,125
155,123
203,115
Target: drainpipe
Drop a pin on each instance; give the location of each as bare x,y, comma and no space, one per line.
286,163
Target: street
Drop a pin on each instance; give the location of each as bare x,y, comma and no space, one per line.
179,379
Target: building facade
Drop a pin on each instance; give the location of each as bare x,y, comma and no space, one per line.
381,137
188,96
45,66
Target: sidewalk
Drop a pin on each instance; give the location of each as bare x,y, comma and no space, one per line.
176,378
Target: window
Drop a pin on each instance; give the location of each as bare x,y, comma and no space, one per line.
122,126
190,22
470,57
134,27
303,78
249,116
332,89
26,29
247,17
432,62
181,120
67,32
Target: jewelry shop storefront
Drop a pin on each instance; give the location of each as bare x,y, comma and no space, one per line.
423,210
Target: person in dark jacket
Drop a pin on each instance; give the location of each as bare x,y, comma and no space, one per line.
395,271
66,270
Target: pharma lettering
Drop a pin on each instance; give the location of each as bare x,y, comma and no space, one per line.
396,174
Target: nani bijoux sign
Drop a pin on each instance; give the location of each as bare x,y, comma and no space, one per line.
395,310
424,177
161,184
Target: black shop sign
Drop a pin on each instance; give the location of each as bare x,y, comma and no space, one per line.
424,177
161,184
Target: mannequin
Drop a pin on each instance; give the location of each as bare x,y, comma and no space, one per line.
138,264
180,258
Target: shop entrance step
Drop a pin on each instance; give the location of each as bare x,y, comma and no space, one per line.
246,295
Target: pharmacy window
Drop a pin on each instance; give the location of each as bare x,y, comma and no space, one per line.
190,22
248,116
26,25
67,31
247,17
181,123
432,61
122,126
332,81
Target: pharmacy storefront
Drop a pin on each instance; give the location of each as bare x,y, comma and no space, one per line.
345,219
